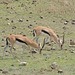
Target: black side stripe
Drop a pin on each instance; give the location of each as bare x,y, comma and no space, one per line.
20,41
45,32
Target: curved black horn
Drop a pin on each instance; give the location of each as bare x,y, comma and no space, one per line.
62,41
43,45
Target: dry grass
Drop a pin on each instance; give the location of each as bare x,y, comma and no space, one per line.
54,13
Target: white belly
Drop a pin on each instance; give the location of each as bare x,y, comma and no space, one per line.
44,34
19,43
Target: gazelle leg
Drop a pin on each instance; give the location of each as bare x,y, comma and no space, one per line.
44,42
4,50
30,50
11,50
46,39
51,43
36,38
23,49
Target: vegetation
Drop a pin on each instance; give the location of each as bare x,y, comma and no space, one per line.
20,17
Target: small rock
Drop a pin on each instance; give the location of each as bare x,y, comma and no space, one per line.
44,54
12,21
23,64
7,18
1,70
34,51
16,0
2,39
7,7
72,42
6,2
65,23
27,20
53,65
41,17
30,13
1,17
53,48
2,45
14,48
47,57
60,71
48,49
47,42
22,5
59,56
73,22
64,28
65,49
18,60
31,25
14,27
3,31
53,21
13,68
8,23
4,72
72,51
71,45
12,65
67,20
20,20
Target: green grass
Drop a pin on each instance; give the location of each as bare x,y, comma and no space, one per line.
50,10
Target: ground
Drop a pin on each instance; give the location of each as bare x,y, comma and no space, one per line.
20,17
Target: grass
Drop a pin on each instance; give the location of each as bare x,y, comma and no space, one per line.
54,13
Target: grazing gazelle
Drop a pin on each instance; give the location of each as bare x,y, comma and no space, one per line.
49,33
23,40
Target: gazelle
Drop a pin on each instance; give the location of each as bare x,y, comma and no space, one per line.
23,40
49,33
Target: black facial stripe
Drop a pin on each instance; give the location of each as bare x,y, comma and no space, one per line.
20,41
45,32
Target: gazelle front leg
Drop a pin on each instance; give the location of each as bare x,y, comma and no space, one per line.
51,43
30,50
11,50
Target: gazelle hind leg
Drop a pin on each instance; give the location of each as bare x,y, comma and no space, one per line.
46,39
23,46
36,39
4,51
